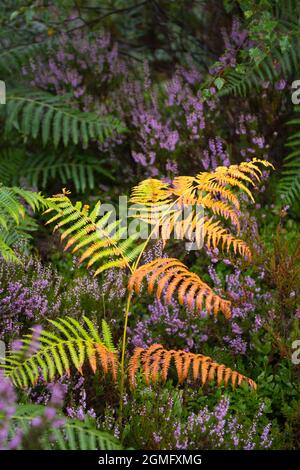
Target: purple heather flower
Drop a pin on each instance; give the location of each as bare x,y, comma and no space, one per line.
280,85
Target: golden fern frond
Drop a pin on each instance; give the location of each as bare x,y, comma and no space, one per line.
232,176
151,191
100,241
222,177
151,199
205,185
174,208
170,274
155,362
183,188
220,208
55,353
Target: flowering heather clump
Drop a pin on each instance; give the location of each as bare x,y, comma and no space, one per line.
27,295
114,284
165,322
45,422
154,133
67,68
168,425
20,304
248,304
160,131
216,155
186,104
49,418
80,410
233,41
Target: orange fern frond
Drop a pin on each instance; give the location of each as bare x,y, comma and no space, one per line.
215,234
155,362
175,207
134,364
170,274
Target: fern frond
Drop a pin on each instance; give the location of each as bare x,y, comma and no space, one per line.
215,234
7,252
170,274
155,362
39,170
151,191
100,242
273,65
175,207
107,336
55,353
232,176
14,219
75,435
289,185
14,57
72,435
40,114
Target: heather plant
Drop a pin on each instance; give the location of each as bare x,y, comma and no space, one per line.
166,421
32,292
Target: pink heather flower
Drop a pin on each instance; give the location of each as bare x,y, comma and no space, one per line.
156,437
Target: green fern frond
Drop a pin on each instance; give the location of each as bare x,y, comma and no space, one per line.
39,170
72,435
55,353
15,222
40,114
289,185
100,241
7,252
107,336
11,207
12,58
79,436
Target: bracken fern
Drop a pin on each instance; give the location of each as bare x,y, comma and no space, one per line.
156,361
100,242
15,222
49,117
55,353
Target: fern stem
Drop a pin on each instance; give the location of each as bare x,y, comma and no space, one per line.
124,340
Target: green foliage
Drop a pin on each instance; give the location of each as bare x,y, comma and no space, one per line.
40,170
273,26
72,435
290,182
13,58
56,353
247,78
46,116
99,240
15,220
